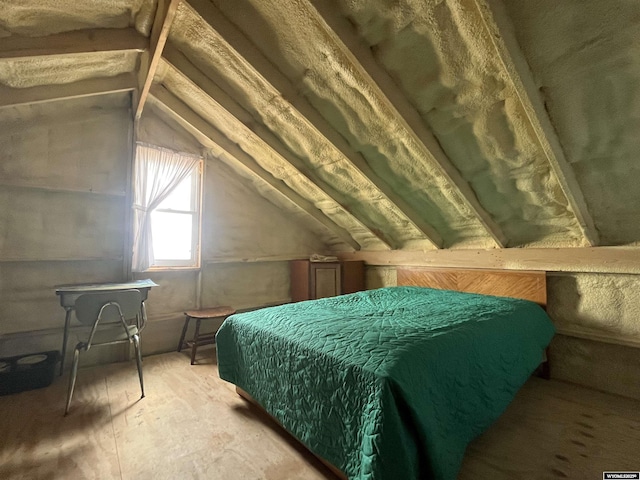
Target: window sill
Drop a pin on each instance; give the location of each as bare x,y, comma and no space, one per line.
169,269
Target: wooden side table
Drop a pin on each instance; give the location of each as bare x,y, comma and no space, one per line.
206,339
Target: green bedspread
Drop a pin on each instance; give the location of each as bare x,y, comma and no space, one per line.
390,383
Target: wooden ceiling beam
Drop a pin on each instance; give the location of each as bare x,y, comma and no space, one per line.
165,15
10,97
241,121
180,63
623,260
345,38
75,42
307,114
213,138
500,31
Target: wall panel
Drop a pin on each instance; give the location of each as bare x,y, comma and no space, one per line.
240,223
599,365
81,147
42,225
28,294
245,285
176,292
599,304
63,212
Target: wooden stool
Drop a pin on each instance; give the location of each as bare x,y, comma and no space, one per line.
206,339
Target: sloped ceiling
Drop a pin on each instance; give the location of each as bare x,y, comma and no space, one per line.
396,124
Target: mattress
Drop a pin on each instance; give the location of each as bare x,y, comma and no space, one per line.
389,383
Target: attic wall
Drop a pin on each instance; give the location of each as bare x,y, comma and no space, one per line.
598,316
598,333
62,209
63,220
246,244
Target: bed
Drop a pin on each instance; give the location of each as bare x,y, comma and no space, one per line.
394,382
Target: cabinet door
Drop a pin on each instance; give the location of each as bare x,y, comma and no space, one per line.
325,280
300,281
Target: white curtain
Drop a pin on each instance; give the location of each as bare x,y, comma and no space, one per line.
157,172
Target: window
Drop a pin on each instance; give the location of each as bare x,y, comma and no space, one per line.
167,191
175,225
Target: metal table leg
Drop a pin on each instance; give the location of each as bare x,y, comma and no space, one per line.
65,337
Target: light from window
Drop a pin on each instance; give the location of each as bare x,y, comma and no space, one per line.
167,244
175,225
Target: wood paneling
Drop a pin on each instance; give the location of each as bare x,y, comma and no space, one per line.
176,291
82,145
40,225
28,300
245,285
607,367
192,424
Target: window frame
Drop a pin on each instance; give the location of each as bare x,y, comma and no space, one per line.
194,262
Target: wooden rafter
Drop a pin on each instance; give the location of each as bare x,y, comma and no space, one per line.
85,88
180,63
500,32
165,14
213,138
243,121
301,106
240,132
361,58
70,43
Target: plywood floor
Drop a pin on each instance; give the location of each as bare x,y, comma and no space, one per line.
193,425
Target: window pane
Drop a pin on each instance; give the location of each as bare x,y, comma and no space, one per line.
171,235
180,198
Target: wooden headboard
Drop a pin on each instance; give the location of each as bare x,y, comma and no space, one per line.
528,285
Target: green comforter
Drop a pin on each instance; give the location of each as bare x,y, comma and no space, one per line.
390,383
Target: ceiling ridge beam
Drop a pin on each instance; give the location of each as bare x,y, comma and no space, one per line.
75,42
215,139
287,93
245,122
280,154
10,97
165,15
515,65
552,260
407,116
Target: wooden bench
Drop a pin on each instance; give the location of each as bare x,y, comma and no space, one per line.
199,340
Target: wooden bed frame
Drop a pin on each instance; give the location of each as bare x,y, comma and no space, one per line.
528,285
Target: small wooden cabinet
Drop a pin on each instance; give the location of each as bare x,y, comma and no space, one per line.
312,280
